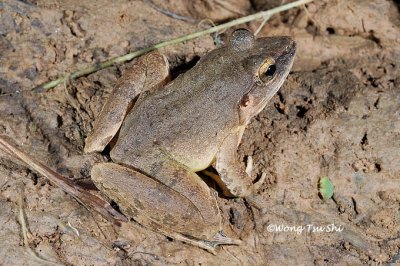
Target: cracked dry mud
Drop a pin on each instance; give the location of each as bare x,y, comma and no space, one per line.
337,115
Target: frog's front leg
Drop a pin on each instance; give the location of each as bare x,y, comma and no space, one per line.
149,72
174,201
234,179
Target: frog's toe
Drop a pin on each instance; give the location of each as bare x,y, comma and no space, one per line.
260,182
249,170
249,165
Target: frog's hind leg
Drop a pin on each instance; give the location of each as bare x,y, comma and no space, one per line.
163,207
149,72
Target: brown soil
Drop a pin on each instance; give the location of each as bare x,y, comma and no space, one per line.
337,115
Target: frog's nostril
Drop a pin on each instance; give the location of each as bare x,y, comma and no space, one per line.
291,48
294,45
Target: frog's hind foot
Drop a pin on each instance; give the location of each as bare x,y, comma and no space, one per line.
209,245
221,239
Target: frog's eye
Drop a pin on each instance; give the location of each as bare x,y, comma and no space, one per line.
267,70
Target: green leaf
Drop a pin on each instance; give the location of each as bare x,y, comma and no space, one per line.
326,188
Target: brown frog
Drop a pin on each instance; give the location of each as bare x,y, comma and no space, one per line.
168,131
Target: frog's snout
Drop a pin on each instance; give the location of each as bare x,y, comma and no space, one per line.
286,55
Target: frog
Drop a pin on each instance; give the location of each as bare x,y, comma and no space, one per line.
163,132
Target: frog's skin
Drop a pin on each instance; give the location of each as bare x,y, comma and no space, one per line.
178,128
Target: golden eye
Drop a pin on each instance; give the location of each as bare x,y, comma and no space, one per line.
267,70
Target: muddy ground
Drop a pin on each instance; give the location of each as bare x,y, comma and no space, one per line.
337,115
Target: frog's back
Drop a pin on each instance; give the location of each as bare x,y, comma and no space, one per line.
196,109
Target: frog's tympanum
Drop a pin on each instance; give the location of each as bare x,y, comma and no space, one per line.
166,131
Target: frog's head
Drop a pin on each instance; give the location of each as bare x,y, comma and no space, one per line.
268,61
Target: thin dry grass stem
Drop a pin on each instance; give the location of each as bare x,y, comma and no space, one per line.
169,13
316,23
261,26
25,231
